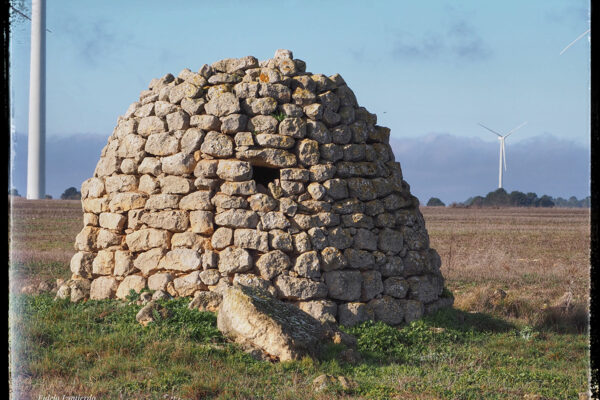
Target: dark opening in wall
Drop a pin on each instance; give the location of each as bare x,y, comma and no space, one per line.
264,175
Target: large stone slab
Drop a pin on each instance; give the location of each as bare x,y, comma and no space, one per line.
254,318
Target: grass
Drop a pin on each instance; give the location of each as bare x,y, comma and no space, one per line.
489,346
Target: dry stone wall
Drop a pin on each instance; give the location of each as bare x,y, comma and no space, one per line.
262,174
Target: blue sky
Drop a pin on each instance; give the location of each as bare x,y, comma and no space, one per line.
425,68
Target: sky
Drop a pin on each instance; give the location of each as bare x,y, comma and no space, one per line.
431,71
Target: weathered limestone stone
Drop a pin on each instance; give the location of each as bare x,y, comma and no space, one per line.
181,259
268,157
150,165
262,106
217,145
424,288
163,108
210,259
221,238
224,202
263,124
272,264
251,239
148,313
239,188
360,259
222,105
175,184
131,282
280,240
393,267
280,329
388,310
148,261
206,122
103,263
233,123
274,220
202,222
178,164
149,185
294,127
274,140
103,287
186,285
350,314
396,286
159,281
260,202
123,263
150,125
343,284
307,265
93,187
372,285
237,219
174,220
206,301
234,259
413,310
332,259
145,239
322,310
253,281
161,201
199,200
81,264
293,288
127,201
210,277
231,170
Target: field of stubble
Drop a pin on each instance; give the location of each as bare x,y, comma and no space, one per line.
520,278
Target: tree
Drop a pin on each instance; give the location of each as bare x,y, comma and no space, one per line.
48,197
518,199
435,202
14,192
497,198
71,194
545,201
476,201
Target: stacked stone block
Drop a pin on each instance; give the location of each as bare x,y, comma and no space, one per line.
263,174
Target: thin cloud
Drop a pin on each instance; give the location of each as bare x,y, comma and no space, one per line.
459,41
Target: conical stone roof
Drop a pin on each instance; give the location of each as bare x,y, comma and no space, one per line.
262,174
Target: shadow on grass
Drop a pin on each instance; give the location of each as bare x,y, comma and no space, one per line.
452,318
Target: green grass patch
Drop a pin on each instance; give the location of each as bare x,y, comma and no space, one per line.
98,348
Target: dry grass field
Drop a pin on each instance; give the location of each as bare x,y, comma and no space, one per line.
539,257
520,278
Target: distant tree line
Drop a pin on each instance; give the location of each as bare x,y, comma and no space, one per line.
501,198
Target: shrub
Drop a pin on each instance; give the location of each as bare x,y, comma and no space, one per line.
71,194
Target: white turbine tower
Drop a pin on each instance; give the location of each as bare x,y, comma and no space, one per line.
36,154
501,138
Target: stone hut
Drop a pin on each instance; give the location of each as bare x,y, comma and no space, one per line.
262,174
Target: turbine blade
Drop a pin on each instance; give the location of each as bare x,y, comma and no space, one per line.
504,154
511,132
573,42
490,130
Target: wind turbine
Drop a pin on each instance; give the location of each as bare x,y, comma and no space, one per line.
501,138
574,41
36,155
